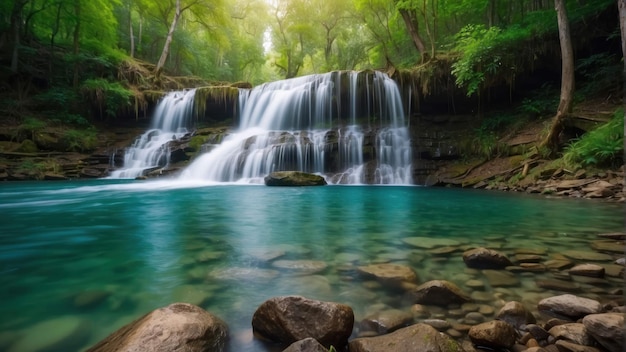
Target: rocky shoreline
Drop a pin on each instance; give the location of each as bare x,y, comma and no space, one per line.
443,316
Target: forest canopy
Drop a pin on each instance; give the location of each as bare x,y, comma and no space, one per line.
76,61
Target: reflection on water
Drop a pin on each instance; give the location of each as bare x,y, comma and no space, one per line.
99,254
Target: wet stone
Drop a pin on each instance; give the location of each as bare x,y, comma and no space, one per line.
498,278
530,251
613,235
475,284
191,294
443,250
592,270
438,324
608,246
527,258
244,274
558,285
587,255
301,266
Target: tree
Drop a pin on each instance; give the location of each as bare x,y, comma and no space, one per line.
408,11
202,13
567,78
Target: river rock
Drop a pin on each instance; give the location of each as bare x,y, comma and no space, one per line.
244,274
483,258
58,334
307,345
301,266
386,321
191,294
414,338
389,274
515,314
177,327
498,278
496,334
587,256
607,329
613,235
566,346
569,307
592,270
90,298
572,332
293,178
287,319
608,246
440,293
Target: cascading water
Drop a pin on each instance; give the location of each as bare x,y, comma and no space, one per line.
150,150
348,126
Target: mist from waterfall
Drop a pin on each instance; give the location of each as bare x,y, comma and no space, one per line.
347,126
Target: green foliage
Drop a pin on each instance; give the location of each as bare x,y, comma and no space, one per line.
80,140
485,55
108,96
30,127
603,146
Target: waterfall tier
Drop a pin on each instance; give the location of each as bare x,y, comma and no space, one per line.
349,127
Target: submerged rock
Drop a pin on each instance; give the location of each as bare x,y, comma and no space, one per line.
177,327
389,274
440,293
483,258
515,314
288,319
59,334
307,345
293,178
386,321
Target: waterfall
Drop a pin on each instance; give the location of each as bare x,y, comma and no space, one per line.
348,126
170,122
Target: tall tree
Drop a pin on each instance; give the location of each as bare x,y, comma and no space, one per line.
567,78
408,11
622,24
168,41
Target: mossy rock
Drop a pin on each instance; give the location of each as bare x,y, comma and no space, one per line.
294,179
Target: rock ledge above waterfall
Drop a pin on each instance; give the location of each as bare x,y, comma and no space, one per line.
293,178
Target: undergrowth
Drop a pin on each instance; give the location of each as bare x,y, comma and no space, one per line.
602,147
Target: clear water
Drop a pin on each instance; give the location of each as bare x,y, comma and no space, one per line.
141,244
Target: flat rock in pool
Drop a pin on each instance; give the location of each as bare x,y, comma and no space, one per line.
587,255
244,274
569,307
430,242
266,254
392,274
440,293
608,246
303,266
499,278
414,338
293,179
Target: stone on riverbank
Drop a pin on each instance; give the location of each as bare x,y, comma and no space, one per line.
515,314
496,334
293,179
287,319
607,329
414,338
177,327
569,307
483,258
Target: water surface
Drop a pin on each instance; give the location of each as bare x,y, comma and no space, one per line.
102,253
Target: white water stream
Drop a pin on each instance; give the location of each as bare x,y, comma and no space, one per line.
355,136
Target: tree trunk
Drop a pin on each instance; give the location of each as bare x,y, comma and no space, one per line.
168,43
16,20
76,42
622,24
412,26
567,78
130,25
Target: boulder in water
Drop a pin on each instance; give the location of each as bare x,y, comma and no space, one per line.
293,178
177,327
